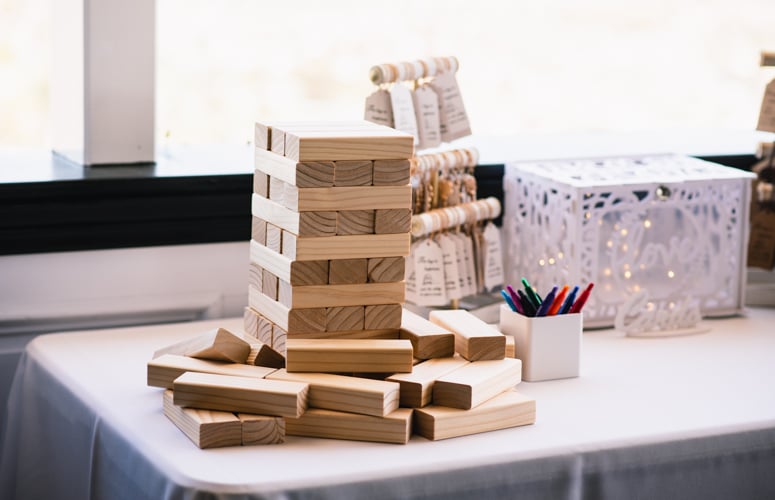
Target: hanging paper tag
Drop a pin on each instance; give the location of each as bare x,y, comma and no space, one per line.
767,112
453,120
469,260
451,273
426,107
493,266
410,276
378,108
404,118
429,269
462,269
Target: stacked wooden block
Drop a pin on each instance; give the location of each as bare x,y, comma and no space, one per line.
446,378
331,219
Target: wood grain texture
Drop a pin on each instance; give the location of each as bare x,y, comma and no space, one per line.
315,174
382,316
350,247
352,173
276,190
429,340
261,429
262,134
364,294
269,284
269,309
391,172
347,271
473,384
386,269
302,175
386,333
218,344
348,198
509,409
279,339
250,320
316,422
344,393
264,330
511,347
317,223
274,238
344,318
354,222
277,141
255,276
392,220
307,321
345,355
258,230
284,293
205,428
475,340
241,394
382,144
290,247
417,387
162,371
309,272
274,213
261,184
262,354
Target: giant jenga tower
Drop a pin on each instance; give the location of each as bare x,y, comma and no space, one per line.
331,219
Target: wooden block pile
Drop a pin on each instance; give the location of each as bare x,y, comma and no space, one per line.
435,381
331,229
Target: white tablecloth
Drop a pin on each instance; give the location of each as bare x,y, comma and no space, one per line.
683,417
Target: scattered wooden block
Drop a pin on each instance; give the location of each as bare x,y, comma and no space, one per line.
345,355
255,276
319,145
319,423
261,429
276,190
352,173
429,340
343,393
392,220
382,316
386,269
261,184
475,340
162,371
258,230
347,247
509,409
347,198
511,347
417,387
344,271
473,384
241,394
344,318
303,297
391,172
217,345
269,285
301,175
206,428
273,238
354,222
382,333
262,354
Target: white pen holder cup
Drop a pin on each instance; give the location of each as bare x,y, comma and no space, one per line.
549,346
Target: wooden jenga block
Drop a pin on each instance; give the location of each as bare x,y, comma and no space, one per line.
262,354
475,340
162,371
309,272
347,198
379,143
343,393
386,269
284,292
216,345
344,318
261,184
277,141
392,220
279,339
343,356
391,172
303,297
509,409
316,422
262,136
255,276
206,428
417,387
346,247
276,190
273,238
258,230
350,222
344,271
250,320
312,320
269,284
352,173
264,330
511,347
301,175
261,429
386,333
382,316
317,224
429,340
473,384
241,394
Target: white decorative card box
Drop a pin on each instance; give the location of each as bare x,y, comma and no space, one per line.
667,234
